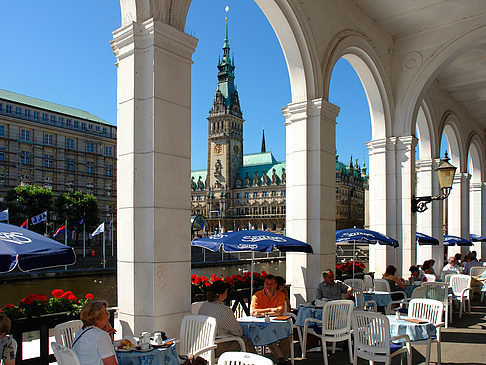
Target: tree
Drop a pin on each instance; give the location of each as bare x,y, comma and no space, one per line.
73,206
28,201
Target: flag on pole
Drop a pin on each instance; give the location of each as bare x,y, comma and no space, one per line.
24,225
59,230
39,218
4,215
80,222
100,229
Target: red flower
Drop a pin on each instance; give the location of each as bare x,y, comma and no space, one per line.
67,294
89,296
207,285
6,306
57,293
27,300
72,297
264,274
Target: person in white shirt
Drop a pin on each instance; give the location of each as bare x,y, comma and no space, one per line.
451,268
93,343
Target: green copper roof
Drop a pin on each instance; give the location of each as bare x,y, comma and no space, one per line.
263,158
46,105
199,174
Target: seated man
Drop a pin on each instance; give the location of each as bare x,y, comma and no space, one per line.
451,268
471,261
226,323
272,302
331,289
416,274
8,346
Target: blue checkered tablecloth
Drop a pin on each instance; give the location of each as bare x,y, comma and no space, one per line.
416,332
162,356
307,312
262,333
382,298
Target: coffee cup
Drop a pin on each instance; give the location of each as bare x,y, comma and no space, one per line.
145,346
157,338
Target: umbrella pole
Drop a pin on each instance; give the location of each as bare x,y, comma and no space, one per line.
251,276
354,255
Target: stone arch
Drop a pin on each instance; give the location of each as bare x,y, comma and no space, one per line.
475,151
426,133
450,127
354,47
415,89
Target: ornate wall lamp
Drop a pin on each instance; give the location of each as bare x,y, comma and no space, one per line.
445,173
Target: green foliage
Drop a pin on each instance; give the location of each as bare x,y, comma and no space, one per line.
74,206
27,201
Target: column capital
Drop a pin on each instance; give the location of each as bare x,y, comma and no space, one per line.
476,186
152,33
461,177
406,143
424,165
295,112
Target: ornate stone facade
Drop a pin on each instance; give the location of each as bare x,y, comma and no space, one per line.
248,191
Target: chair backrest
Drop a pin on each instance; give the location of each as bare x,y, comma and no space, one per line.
371,333
437,291
337,316
368,282
430,278
427,309
243,358
64,332
197,332
382,285
64,355
355,283
447,278
123,330
477,270
460,282
419,292
196,306
358,299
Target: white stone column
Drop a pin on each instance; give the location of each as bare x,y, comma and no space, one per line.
430,221
311,192
476,191
382,197
154,153
405,168
458,211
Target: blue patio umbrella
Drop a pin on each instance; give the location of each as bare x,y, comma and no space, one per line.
363,236
456,241
476,238
251,241
423,239
31,251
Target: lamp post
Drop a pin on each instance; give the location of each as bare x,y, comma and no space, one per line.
445,173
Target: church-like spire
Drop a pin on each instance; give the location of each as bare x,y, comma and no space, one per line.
226,99
264,149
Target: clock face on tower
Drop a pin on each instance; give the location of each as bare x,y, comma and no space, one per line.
236,149
218,149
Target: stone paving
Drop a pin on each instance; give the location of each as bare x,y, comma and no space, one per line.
464,342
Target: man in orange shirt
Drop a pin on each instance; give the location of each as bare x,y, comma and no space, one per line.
272,302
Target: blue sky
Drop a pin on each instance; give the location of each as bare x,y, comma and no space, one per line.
59,51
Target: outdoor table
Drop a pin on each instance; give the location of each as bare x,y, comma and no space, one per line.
262,333
159,356
307,311
416,331
411,287
382,298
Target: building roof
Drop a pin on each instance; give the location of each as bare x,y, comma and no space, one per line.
262,158
195,175
47,105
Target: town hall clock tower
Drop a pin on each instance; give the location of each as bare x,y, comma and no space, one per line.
225,128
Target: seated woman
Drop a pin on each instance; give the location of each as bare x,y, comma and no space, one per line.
281,287
395,282
416,274
226,323
8,346
93,343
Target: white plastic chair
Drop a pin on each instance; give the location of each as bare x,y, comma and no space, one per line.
431,278
362,304
461,289
64,332
198,334
64,355
383,285
440,291
336,327
243,358
368,283
196,306
372,339
477,270
430,310
355,284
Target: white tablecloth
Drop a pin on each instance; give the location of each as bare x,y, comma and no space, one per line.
161,356
416,332
262,333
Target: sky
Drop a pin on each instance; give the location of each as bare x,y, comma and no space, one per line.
59,51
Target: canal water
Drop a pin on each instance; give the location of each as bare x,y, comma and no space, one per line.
105,287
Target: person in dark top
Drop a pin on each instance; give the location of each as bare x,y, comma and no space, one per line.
395,282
